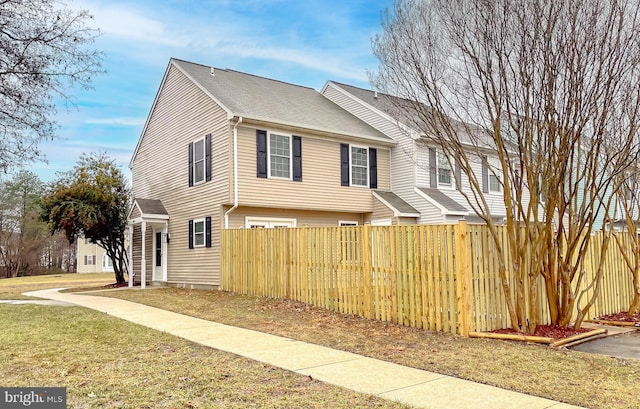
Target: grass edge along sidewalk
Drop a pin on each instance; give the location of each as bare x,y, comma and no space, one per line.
106,362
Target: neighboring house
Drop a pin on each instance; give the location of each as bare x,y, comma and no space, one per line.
225,149
421,175
92,258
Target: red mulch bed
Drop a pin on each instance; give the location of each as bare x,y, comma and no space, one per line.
554,332
621,316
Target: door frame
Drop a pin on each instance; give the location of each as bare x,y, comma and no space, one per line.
162,269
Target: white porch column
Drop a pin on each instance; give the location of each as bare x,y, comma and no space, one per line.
165,250
130,250
143,262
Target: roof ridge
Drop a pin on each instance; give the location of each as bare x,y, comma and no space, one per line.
241,72
270,79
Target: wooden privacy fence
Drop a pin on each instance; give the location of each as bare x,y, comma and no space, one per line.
441,278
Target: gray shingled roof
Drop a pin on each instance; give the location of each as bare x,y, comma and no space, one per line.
443,200
151,206
403,111
270,100
396,202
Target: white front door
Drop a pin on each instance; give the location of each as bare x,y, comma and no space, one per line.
158,256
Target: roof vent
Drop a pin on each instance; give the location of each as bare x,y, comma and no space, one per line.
213,74
375,94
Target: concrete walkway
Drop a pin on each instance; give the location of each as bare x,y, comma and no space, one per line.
387,380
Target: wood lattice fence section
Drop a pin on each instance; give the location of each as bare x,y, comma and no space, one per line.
441,278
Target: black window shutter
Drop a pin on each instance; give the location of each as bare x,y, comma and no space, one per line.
190,234
485,175
373,168
297,159
433,173
207,231
458,175
207,157
191,164
261,153
344,164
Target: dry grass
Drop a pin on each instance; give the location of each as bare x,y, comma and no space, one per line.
106,362
569,376
12,288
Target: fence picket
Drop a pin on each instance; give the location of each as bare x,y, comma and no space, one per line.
442,278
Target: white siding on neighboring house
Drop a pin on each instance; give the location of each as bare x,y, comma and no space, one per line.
494,200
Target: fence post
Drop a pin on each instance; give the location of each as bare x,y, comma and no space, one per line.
463,279
367,272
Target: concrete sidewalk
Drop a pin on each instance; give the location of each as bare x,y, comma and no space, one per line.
387,380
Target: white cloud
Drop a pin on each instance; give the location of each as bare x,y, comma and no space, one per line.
125,22
117,121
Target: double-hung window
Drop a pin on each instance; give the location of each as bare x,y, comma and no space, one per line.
359,166
198,233
444,171
279,156
495,178
200,161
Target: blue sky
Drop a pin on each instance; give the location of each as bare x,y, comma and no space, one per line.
302,42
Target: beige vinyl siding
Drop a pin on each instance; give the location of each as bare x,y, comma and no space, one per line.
320,188
182,114
88,249
136,251
303,218
380,211
135,212
404,220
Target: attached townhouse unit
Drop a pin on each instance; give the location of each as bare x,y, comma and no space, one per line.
225,149
92,258
421,174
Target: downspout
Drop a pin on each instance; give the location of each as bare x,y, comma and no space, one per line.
235,173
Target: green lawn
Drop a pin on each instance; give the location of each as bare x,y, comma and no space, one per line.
106,362
12,288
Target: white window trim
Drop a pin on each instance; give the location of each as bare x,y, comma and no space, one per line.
204,232
494,169
106,263
204,162
347,223
452,175
249,220
269,155
366,148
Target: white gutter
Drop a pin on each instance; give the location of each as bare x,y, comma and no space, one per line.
235,174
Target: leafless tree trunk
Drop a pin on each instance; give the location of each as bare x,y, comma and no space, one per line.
628,241
547,88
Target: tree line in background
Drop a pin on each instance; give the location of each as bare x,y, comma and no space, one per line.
26,246
40,224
